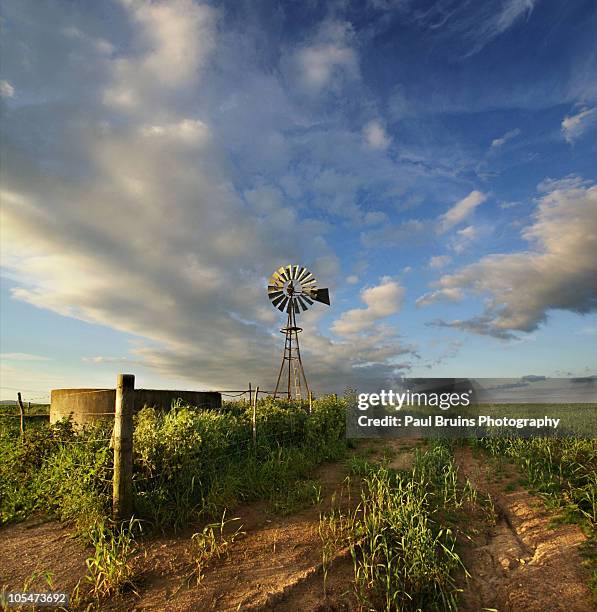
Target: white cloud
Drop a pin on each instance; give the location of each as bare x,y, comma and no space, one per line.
188,131
557,272
154,215
375,136
178,35
6,89
353,279
463,238
381,301
328,58
512,11
450,293
460,211
100,359
574,126
498,142
475,24
22,357
439,261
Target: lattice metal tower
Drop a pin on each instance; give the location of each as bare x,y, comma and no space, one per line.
290,289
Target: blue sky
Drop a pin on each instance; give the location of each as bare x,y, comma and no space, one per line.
433,163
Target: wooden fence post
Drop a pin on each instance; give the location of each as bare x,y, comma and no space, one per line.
310,402
250,395
255,417
122,484
22,411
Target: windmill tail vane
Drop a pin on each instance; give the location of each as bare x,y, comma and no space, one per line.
290,289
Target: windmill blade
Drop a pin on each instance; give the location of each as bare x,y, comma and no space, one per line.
282,274
289,272
295,272
309,301
275,278
302,303
275,294
275,287
309,279
277,300
303,274
323,296
283,302
291,305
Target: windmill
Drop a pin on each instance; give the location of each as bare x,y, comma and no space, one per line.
290,289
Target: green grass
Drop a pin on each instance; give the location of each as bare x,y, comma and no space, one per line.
562,470
189,464
110,568
212,542
402,534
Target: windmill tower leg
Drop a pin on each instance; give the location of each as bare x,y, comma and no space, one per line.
294,377
286,356
298,363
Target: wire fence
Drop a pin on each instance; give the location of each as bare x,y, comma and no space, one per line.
251,441
45,400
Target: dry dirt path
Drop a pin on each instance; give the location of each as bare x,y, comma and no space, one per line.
38,546
276,562
522,562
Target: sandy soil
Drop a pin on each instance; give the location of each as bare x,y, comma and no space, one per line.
521,562
38,546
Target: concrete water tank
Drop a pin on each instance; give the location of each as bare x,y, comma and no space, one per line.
87,405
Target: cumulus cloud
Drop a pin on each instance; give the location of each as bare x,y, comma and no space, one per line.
178,37
186,131
381,301
151,214
557,272
499,142
460,211
463,238
573,126
375,136
329,57
6,89
450,293
439,261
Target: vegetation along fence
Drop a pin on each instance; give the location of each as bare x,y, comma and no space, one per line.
165,466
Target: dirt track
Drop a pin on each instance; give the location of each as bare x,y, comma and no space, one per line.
518,563
522,562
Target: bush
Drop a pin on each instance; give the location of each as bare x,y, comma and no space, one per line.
191,463
188,463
